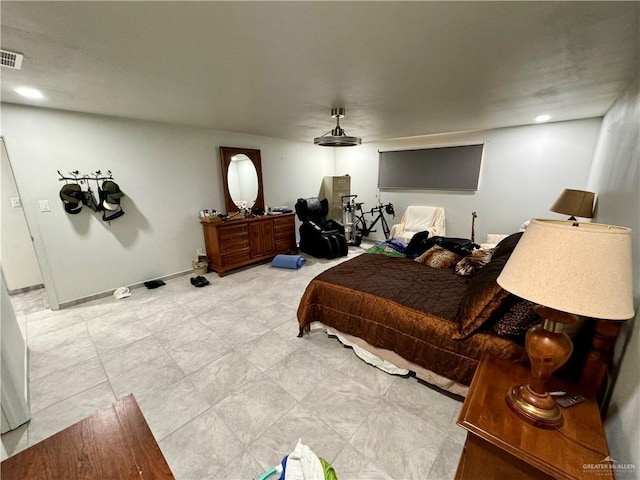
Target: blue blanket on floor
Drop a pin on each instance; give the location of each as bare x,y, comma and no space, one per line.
288,261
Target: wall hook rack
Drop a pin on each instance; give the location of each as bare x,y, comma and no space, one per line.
76,176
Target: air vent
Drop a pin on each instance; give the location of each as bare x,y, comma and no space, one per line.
11,59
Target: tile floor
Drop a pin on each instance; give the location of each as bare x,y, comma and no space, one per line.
226,386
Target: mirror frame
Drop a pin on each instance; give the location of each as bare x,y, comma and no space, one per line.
226,154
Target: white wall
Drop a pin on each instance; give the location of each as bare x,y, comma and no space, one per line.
615,176
168,174
524,169
20,265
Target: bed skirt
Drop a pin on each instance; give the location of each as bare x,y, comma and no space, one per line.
392,363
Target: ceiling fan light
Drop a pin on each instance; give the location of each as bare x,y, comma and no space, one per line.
337,137
343,141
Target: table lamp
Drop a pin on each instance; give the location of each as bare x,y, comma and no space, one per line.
567,268
577,203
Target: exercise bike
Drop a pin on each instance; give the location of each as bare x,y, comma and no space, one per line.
355,224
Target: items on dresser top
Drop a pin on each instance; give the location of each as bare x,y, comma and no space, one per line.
282,209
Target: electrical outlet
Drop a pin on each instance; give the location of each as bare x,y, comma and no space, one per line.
15,202
44,205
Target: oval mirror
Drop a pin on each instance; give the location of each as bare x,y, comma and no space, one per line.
242,179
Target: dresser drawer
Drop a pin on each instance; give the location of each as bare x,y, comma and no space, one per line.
283,223
233,238
283,236
236,257
283,246
232,231
234,244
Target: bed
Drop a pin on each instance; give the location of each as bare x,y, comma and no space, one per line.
430,321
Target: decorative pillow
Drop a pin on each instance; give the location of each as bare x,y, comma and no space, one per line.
517,319
438,257
506,246
474,262
482,297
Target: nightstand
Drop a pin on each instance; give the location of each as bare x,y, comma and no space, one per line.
500,445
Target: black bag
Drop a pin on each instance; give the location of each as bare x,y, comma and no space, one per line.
461,246
418,244
421,242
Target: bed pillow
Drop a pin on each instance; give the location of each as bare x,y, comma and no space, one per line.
438,257
474,262
519,315
482,297
518,318
506,246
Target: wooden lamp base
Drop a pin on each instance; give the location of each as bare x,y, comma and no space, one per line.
540,410
548,348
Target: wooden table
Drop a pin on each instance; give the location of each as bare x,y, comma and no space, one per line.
115,443
500,445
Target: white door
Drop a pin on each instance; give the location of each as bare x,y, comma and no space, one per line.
14,383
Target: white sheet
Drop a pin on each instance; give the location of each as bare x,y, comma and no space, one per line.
392,363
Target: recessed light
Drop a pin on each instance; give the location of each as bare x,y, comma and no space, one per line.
543,118
30,93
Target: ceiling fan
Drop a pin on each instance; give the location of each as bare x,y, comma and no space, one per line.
337,137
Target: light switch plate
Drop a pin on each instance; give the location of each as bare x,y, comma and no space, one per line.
44,205
15,202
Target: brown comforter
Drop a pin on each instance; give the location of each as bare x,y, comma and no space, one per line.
404,306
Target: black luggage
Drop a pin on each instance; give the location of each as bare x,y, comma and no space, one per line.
421,242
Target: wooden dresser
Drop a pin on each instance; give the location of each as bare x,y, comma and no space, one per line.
236,243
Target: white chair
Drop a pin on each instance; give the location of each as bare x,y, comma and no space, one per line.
418,219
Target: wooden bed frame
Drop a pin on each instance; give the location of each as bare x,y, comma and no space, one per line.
596,369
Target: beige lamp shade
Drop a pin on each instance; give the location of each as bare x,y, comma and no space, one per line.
579,268
576,203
